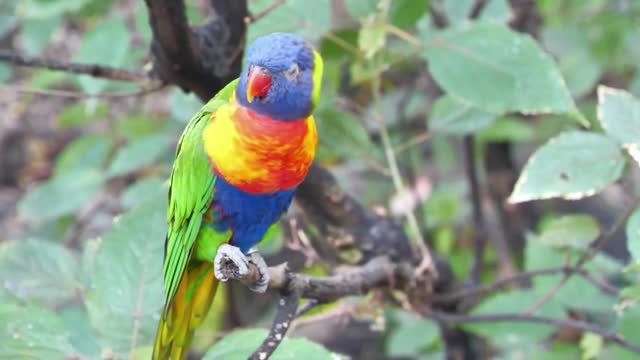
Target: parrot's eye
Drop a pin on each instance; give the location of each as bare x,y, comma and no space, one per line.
293,71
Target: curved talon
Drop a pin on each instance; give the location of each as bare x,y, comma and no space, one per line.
229,260
262,284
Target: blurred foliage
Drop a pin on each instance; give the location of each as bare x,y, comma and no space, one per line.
100,297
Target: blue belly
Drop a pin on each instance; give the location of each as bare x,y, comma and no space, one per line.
248,216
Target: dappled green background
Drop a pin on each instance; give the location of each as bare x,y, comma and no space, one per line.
83,180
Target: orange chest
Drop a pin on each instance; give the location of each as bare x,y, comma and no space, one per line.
258,154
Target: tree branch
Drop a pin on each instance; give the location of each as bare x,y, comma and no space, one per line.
95,70
199,59
509,317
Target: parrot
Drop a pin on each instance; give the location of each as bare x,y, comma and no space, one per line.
237,165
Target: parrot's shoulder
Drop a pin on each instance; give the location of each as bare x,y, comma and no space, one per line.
222,97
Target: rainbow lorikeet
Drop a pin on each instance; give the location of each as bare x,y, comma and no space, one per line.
238,163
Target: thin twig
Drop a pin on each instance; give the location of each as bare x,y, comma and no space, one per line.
95,70
479,221
560,323
306,307
427,258
80,95
264,12
498,284
587,256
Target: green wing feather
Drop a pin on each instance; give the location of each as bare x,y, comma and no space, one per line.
191,188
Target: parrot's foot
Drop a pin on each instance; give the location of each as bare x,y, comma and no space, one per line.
230,263
255,258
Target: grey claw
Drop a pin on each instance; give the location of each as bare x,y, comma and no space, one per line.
262,284
229,262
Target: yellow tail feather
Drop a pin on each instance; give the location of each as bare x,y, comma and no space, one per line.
187,311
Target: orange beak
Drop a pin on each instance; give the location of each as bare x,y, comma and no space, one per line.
258,83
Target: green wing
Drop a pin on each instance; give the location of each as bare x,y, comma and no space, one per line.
190,192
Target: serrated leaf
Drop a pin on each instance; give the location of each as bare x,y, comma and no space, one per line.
85,152
411,337
619,114
127,282
574,231
138,153
61,195
573,165
240,344
310,19
633,235
39,271
451,116
497,69
94,50
31,332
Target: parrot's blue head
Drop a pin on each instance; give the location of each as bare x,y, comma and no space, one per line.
282,77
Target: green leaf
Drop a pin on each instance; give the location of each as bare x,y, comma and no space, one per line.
627,326
5,72
141,152
126,296
405,13
84,152
538,256
40,271
106,43
371,37
412,336
35,33
42,9
340,134
507,129
574,231
511,333
310,19
31,332
79,115
591,345
136,125
452,116
577,64
143,190
240,344
361,8
633,235
619,114
61,195
77,325
497,69
573,165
